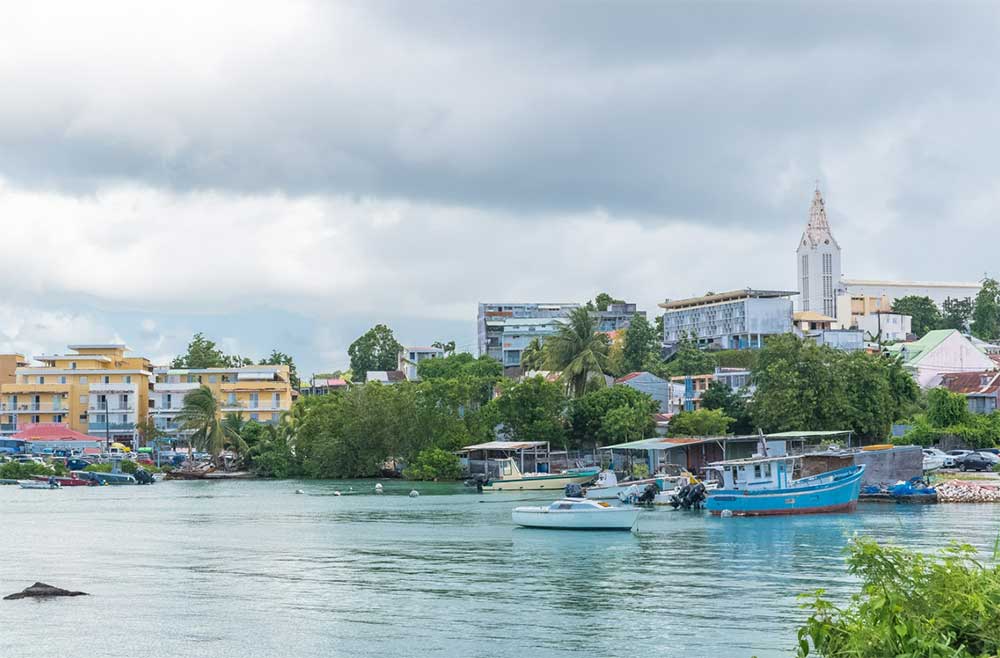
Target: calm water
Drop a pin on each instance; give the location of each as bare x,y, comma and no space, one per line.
236,569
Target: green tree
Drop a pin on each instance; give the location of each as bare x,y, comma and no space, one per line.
986,313
148,432
447,347
377,349
531,410
200,414
201,353
281,359
945,408
579,351
458,365
923,310
703,422
640,344
720,396
533,356
588,416
956,314
604,300
690,360
434,464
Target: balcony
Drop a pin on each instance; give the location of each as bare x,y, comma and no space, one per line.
263,405
34,408
100,409
8,427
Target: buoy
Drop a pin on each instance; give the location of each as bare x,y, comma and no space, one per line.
414,493
726,513
378,487
336,493
299,491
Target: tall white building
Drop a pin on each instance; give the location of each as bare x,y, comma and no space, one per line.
818,260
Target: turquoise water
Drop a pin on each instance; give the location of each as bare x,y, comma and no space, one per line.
236,569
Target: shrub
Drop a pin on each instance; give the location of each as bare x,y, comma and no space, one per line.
18,471
909,605
434,464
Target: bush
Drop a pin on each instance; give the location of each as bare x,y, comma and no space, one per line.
910,605
99,468
703,422
434,464
17,471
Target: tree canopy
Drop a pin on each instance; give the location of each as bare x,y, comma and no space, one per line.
281,359
579,351
377,349
604,300
689,359
923,311
611,415
956,313
703,422
462,364
641,345
531,410
986,313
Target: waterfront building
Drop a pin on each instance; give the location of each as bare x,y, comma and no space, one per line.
259,393
940,352
981,389
325,385
938,291
505,329
57,437
738,319
686,390
818,262
409,357
95,390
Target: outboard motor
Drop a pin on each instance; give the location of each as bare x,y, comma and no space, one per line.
677,500
648,494
142,476
573,490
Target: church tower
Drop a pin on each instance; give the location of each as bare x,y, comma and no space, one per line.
818,260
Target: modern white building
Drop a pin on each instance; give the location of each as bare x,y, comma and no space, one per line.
938,291
891,326
818,262
409,357
734,320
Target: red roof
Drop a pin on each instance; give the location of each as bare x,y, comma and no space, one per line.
987,381
625,378
51,432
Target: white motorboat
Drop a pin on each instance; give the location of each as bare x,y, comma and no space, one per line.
512,479
634,494
577,514
36,484
608,487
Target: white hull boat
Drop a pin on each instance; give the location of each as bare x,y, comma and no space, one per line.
576,514
607,486
512,479
35,484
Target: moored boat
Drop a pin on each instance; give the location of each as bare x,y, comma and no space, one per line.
512,479
70,481
576,514
35,484
609,487
763,486
105,478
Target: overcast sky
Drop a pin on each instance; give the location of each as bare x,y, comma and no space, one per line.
286,174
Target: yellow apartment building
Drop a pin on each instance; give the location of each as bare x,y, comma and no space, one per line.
259,393
95,389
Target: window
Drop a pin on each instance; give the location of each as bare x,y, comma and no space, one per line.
62,379
106,379
756,470
152,403
72,365
805,282
35,419
232,399
828,305
169,402
57,418
254,416
83,380
41,379
254,400
274,417
128,379
211,379
275,400
83,399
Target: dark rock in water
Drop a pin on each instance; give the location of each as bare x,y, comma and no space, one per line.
42,591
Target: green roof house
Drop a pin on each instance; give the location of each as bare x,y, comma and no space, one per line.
939,352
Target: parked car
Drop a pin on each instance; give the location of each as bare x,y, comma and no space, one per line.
947,461
933,461
974,461
990,457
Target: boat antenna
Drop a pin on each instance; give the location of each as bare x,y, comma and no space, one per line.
761,442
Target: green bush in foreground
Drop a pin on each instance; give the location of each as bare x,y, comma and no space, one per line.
910,606
18,471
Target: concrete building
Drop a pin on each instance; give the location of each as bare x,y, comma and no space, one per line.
686,391
9,363
893,327
409,357
981,389
259,393
738,319
95,390
893,290
504,330
940,352
818,262
324,385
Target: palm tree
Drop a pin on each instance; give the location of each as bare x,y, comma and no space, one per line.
200,413
579,351
533,356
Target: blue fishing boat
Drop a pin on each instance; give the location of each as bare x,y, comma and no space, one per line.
762,486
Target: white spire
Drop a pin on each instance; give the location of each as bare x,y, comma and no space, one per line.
818,229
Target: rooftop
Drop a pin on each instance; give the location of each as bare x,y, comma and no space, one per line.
972,382
99,346
732,295
51,432
811,316
911,284
918,348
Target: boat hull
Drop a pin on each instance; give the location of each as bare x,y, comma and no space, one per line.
610,519
839,495
540,483
65,481
34,484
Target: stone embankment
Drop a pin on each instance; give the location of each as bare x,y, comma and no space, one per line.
967,491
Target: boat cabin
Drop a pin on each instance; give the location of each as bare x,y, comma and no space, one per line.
753,474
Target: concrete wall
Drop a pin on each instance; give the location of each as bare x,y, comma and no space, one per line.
881,466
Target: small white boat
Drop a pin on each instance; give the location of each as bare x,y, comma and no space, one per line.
608,487
577,514
512,479
36,484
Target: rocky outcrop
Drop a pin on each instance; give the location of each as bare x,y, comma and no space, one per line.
42,591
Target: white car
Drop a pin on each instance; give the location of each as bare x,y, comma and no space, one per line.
992,458
935,458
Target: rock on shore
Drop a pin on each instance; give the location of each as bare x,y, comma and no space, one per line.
42,591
